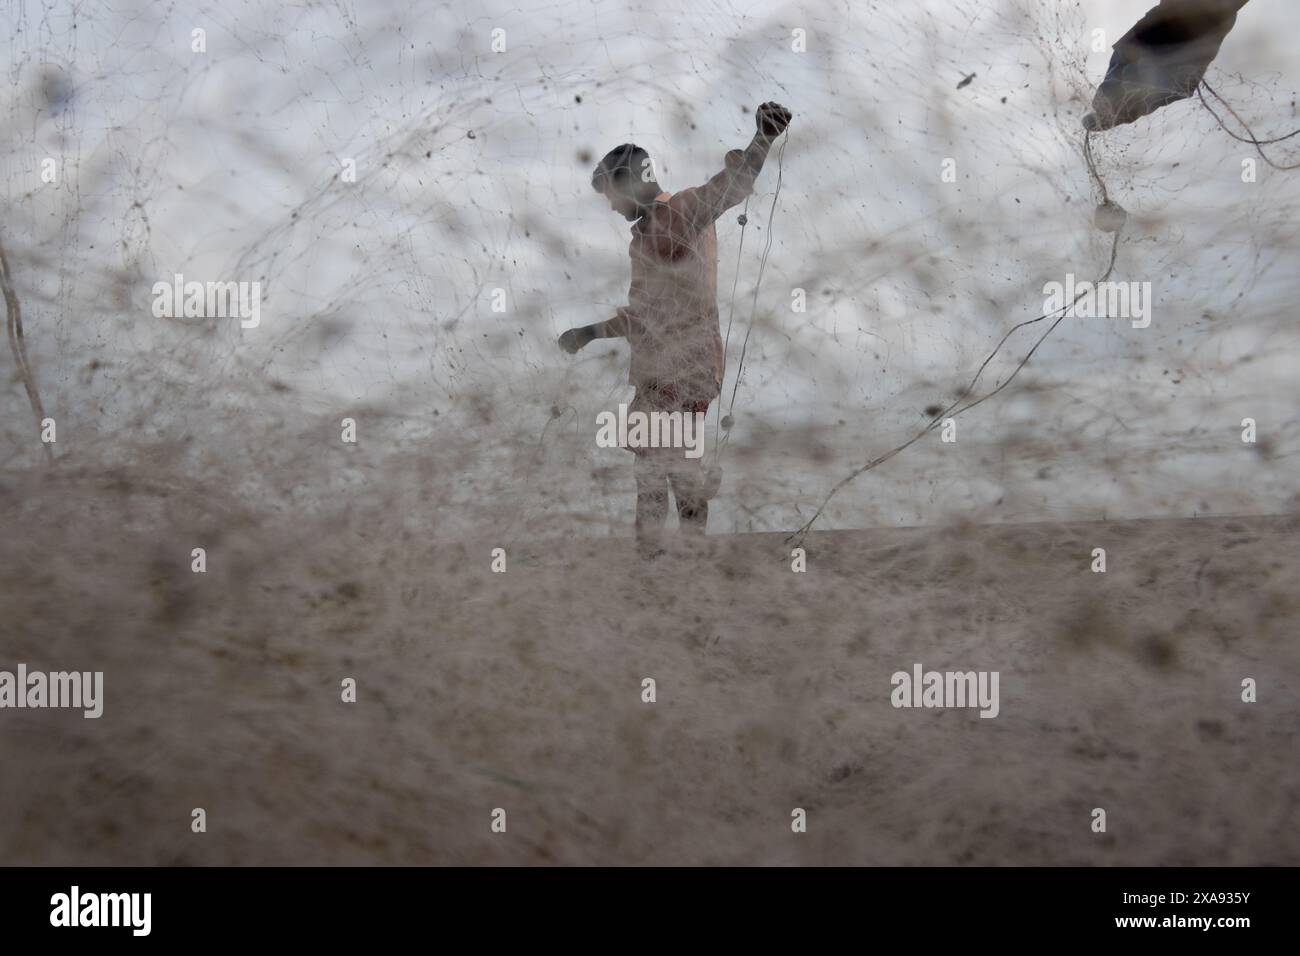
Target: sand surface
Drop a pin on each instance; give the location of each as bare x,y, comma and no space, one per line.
523,691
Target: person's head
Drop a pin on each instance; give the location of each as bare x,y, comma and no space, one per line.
626,178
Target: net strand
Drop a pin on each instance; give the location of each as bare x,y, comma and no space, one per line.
1250,136
18,345
952,411
758,282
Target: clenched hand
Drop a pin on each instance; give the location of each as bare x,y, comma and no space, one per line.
575,339
772,120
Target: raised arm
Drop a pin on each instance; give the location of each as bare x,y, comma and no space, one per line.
729,187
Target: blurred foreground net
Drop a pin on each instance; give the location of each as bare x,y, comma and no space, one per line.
934,184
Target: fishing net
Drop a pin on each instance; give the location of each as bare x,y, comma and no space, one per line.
412,195
404,192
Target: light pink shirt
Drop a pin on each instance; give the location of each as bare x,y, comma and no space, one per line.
673,330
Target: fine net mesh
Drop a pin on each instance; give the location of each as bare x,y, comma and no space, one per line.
408,188
933,182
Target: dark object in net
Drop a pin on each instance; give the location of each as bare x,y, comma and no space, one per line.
1161,60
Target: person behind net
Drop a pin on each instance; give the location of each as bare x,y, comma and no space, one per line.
671,320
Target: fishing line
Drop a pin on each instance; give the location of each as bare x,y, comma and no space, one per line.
18,345
952,411
1250,136
753,310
